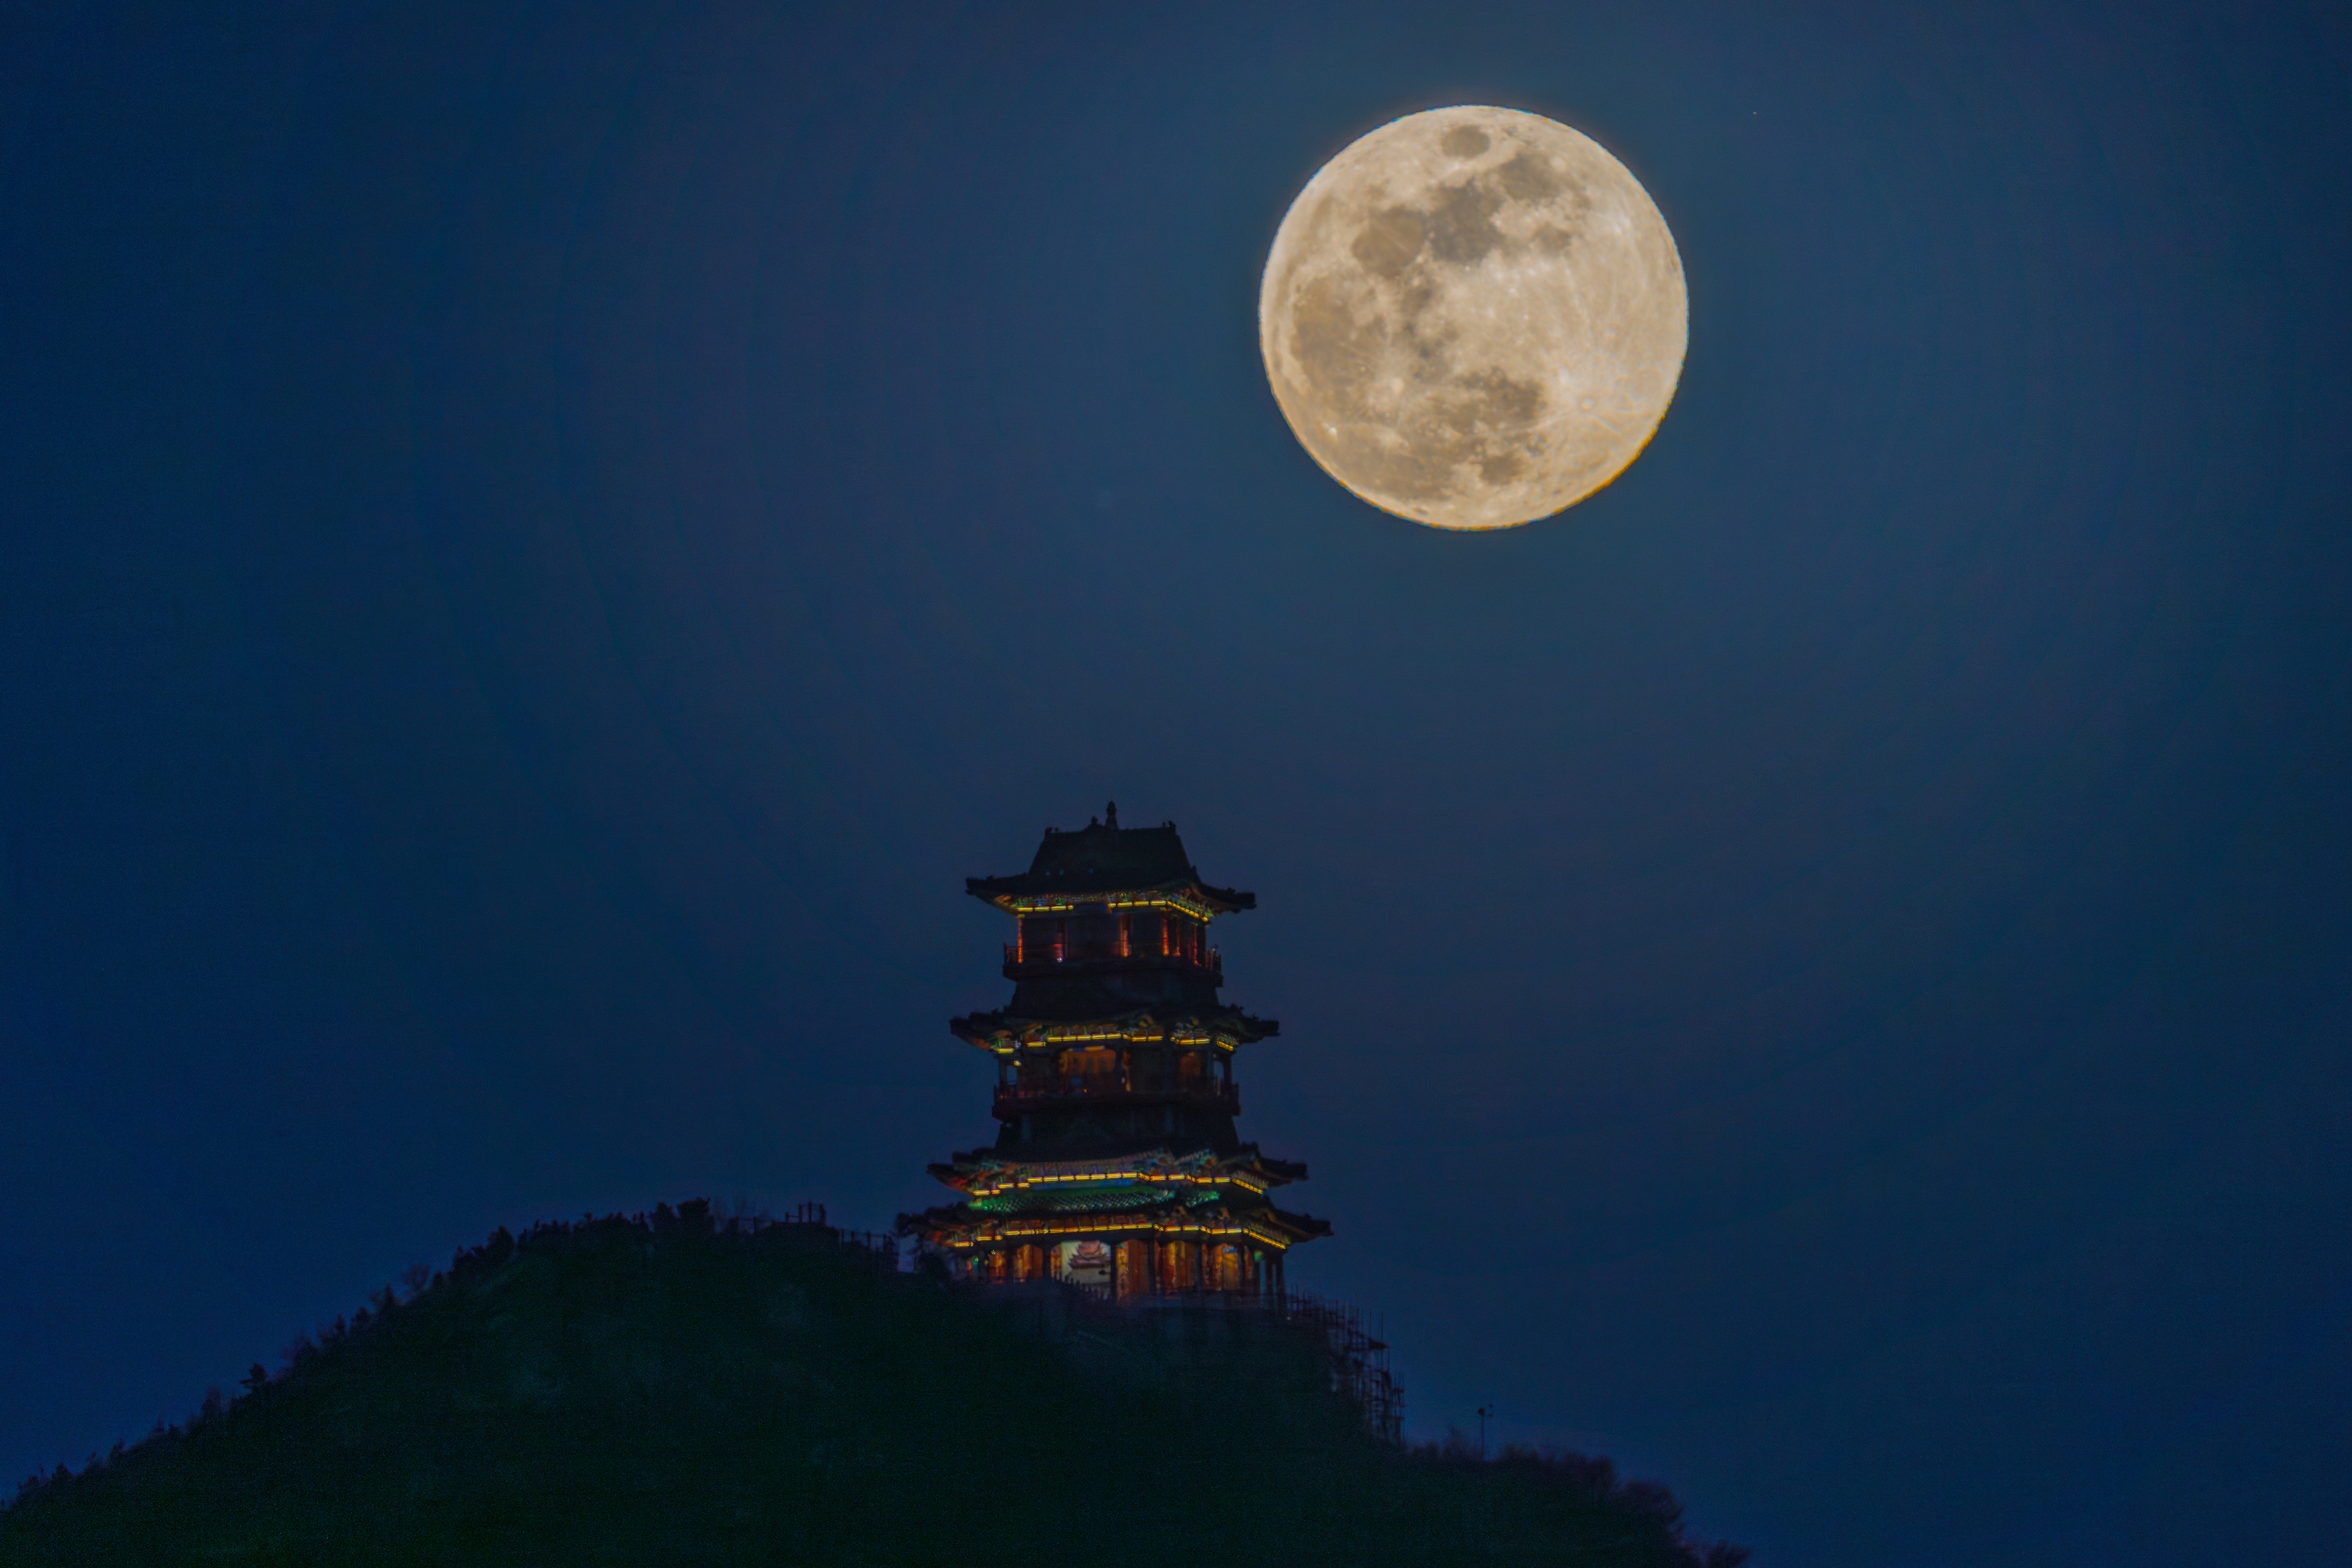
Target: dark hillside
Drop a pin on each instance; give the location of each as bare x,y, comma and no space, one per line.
672,1389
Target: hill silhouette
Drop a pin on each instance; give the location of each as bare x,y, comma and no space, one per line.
675,1387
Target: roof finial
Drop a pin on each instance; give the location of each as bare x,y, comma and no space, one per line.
1110,815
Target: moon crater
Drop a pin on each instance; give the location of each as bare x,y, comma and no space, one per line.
1474,317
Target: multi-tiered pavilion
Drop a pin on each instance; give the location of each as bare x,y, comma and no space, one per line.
1116,1165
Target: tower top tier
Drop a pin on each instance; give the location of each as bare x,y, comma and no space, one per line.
1104,861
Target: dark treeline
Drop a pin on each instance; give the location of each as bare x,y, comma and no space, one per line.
676,1387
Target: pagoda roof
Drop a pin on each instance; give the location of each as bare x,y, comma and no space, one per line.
991,1171
1083,992
981,1028
959,1225
1104,858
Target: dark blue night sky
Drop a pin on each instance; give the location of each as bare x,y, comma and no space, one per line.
538,545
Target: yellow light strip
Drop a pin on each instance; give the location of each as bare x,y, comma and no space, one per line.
1053,1036
1137,1178
1049,904
1005,1230
1007,1043
1133,1165
1164,901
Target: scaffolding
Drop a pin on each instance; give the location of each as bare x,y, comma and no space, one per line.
1359,1358
1360,1363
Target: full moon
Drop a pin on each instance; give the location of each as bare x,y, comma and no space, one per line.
1474,317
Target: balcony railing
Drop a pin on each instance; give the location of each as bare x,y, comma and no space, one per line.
1016,1097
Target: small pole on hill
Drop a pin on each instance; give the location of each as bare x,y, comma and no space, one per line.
1484,1411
